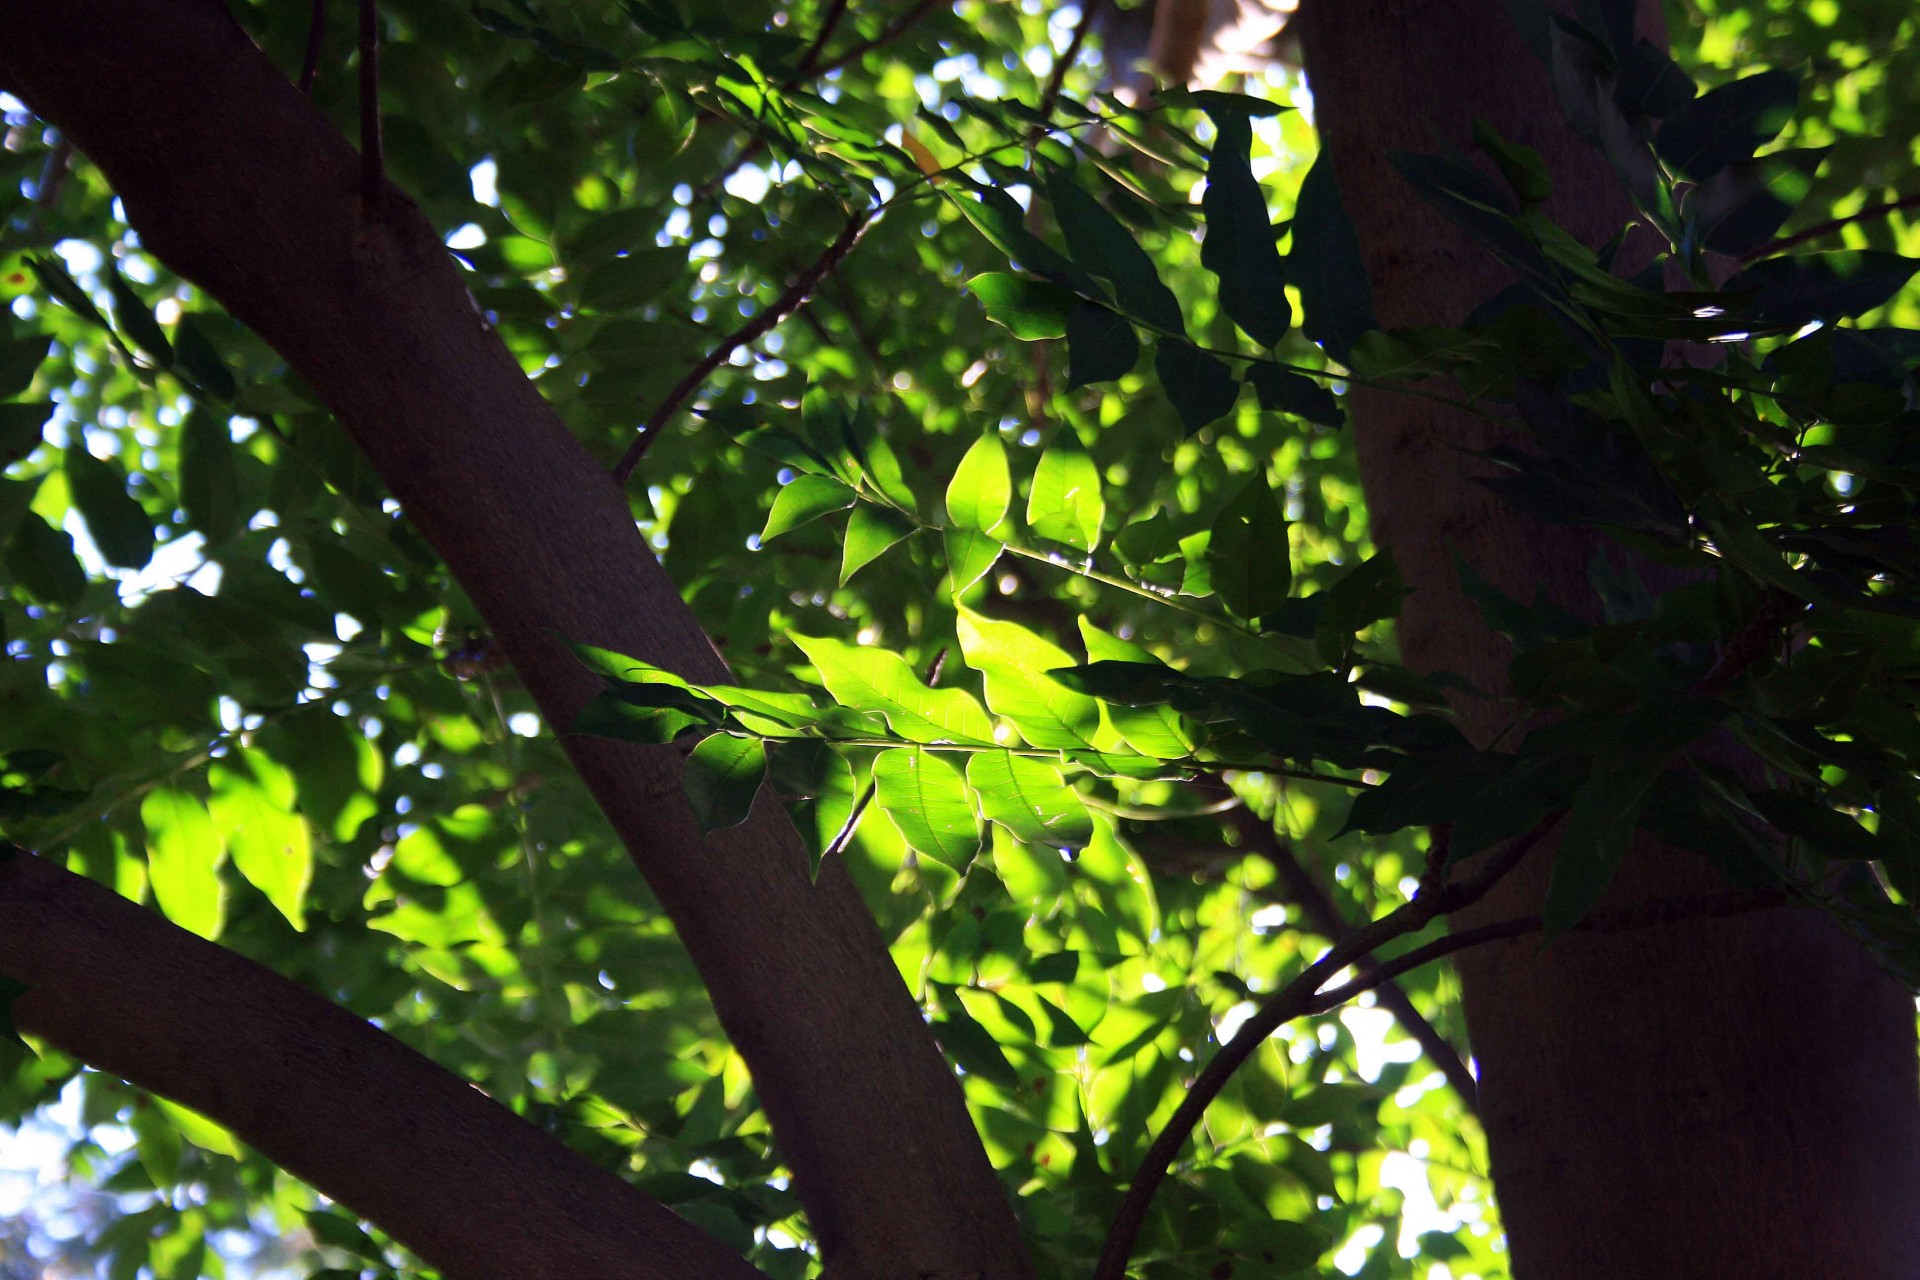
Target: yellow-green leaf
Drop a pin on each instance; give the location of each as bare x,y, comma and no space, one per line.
928,800
184,849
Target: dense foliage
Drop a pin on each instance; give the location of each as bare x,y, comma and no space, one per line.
999,550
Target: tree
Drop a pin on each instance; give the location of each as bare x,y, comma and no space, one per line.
726,224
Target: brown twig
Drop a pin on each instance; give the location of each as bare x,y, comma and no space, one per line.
836,10
886,36
1820,229
1294,1000
316,32
1058,78
1317,908
747,334
373,166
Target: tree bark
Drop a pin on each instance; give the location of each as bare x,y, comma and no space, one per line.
1730,1098
235,181
469,1186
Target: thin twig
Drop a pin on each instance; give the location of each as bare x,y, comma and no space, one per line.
1294,1000
836,10
1815,232
1058,79
316,32
887,35
373,167
1317,907
747,334
844,838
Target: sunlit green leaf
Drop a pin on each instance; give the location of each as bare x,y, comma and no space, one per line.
1030,309
1065,503
184,850
1029,798
252,801
929,802
981,488
1012,660
871,530
871,679
806,499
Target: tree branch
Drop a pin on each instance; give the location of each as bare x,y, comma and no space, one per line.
1822,229
237,183
1317,907
785,305
471,1187
1297,999
373,164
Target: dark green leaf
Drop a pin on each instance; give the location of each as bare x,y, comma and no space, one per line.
1247,557
722,776
1239,246
1101,345
1106,249
1284,391
21,426
1201,387
1832,834
1791,292
19,360
1336,298
137,322
118,524
200,359
1742,207
1728,124
209,477
999,217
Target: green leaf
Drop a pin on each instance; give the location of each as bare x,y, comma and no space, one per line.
1239,247
120,526
1106,249
1150,549
1283,391
65,289
1201,387
253,802
21,426
638,278
614,713
1728,124
209,477
20,359
184,849
869,679
1030,309
1101,345
804,500
1247,557
1336,297
40,558
1030,799
1012,661
1820,286
197,355
928,801
722,776
1831,833
970,554
137,322
871,530
999,217
1155,730
981,488
1742,207
1597,831
1065,503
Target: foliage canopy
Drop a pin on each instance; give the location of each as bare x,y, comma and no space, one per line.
1079,655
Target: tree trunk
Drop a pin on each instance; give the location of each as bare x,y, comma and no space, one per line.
1721,1098
236,182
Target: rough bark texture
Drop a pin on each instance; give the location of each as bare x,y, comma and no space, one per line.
473,1188
1734,1098
235,181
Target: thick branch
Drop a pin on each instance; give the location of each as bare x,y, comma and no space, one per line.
456,1177
236,182
1297,999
